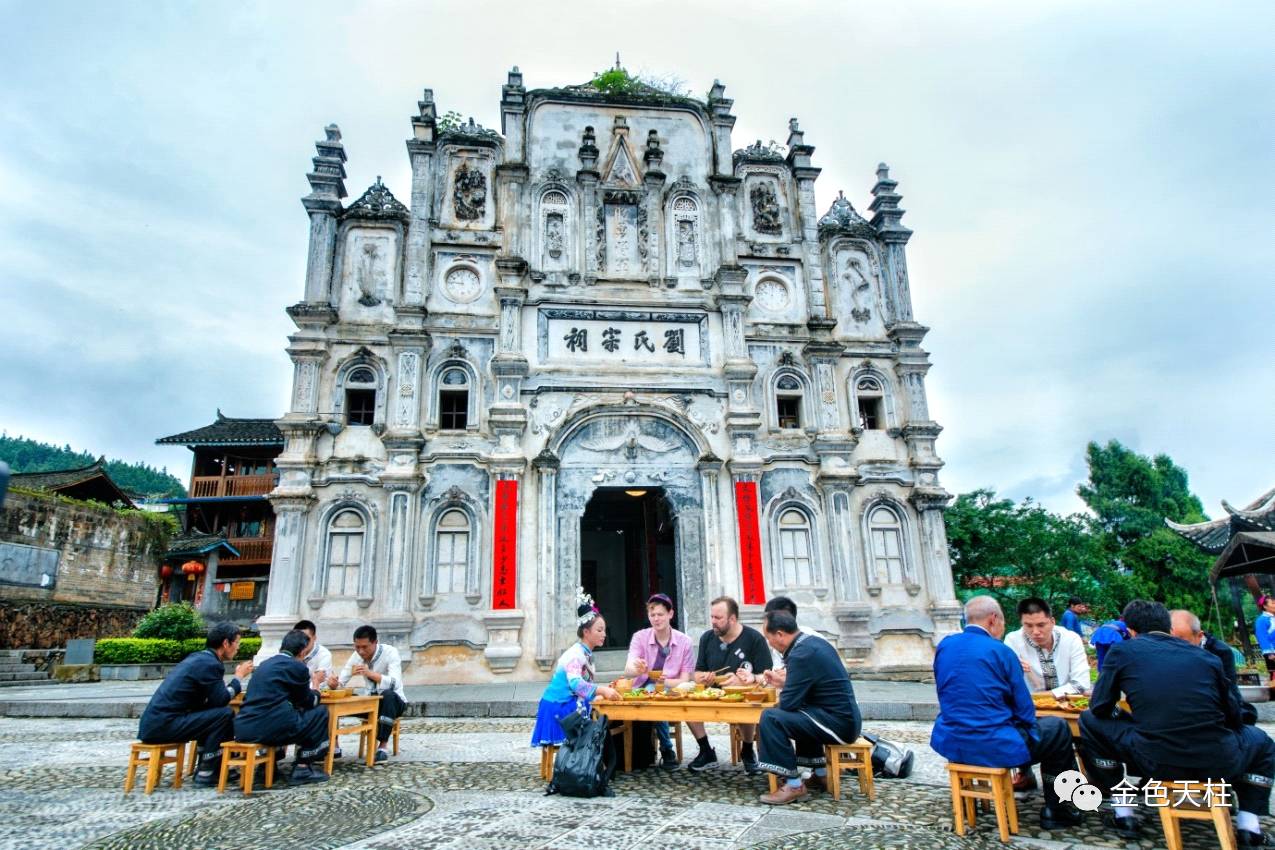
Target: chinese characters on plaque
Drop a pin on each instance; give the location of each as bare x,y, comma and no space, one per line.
655,343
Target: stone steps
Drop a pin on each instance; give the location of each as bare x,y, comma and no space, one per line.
9,666
11,680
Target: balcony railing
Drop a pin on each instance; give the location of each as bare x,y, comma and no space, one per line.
213,486
252,550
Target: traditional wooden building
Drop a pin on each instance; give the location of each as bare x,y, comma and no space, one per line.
229,521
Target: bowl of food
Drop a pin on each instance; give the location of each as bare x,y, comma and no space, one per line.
655,675
622,685
338,693
737,689
755,696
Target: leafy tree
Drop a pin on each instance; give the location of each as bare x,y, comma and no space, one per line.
1012,551
1131,495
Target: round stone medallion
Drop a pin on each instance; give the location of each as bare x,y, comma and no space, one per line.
771,295
462,284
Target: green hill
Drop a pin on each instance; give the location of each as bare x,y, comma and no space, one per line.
138,479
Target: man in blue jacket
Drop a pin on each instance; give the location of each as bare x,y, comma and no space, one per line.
816,708
986,716
282,707
193,702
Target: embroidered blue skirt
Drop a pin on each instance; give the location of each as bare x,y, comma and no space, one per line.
548,731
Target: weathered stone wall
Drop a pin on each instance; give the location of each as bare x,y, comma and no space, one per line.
69,570
44,625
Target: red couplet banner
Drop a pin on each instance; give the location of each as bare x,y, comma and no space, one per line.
505,546
749,542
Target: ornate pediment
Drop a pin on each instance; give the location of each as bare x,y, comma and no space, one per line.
377,203
841,218
771,152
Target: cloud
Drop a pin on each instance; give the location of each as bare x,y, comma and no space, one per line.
1088,184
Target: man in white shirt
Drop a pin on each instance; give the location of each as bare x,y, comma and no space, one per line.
315,655
380,666
1053,659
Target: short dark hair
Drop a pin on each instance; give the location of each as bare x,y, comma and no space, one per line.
780,621
782,603
1034,605
660,599
306,626
1073,601
365,633
1142,616
294,641
219,633
732,607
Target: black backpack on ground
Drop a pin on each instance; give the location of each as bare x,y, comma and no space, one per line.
585,760
889,760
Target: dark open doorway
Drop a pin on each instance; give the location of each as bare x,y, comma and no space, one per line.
627,552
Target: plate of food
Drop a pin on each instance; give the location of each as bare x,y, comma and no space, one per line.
1077,702
337,693
735,697
1045,700
635,694
707,694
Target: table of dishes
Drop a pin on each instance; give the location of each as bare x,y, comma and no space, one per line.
343,703
742,704
1068,707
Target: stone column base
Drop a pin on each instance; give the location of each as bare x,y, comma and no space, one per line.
504,631
272,630
947,619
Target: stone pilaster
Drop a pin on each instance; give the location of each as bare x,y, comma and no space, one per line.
886,216
945,610
327,188
546,466
508,416
587,178
804,174
513,111
283,596
653,181
719,106
422,151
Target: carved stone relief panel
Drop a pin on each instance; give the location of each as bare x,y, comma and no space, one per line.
555,221
406,406
684,237
369,270
856,284
468,199
765,207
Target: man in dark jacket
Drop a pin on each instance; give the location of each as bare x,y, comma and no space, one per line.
816,708
1186,723
283,708
986,716
192,703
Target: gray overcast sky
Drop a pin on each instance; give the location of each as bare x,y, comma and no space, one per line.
1090,185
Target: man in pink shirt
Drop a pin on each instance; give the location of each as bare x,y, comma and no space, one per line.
663,648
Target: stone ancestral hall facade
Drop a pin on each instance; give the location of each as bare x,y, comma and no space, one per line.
604,348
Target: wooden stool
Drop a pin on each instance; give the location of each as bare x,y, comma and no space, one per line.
1170,816
368,736
154,756
737,741
244,757
194,757
547,754
856,757
971,783
394,735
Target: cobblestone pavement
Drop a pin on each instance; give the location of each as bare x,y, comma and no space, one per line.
475,784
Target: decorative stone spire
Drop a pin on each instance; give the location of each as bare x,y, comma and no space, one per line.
798,151
885,207
841,217
589,150
425,123
327,180
654,153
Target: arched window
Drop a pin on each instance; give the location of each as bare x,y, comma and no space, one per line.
453,400
360,396
788,402
885,532
451,553
794,547
871,401
345,553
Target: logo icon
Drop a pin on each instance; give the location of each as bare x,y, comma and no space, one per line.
1072,787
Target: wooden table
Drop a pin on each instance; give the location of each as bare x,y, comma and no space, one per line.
1072,718
366,707
682,710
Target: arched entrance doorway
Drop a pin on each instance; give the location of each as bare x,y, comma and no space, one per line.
610,449
627,552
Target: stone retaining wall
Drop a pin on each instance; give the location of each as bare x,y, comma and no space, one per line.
46,625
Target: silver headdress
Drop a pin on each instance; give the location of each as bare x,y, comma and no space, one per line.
583,599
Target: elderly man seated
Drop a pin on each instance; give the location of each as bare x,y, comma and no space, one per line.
816,708
1186,723
986,716
193,702
1053,659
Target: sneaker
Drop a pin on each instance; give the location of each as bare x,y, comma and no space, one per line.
1024,781
1059,818
703,760
1244,838
785,795
668,758
206,780
382,757
750,763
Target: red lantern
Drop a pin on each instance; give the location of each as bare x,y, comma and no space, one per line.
165,571
191,568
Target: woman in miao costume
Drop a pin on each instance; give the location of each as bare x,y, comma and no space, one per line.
572,687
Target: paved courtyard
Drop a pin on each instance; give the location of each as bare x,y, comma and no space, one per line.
474,784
